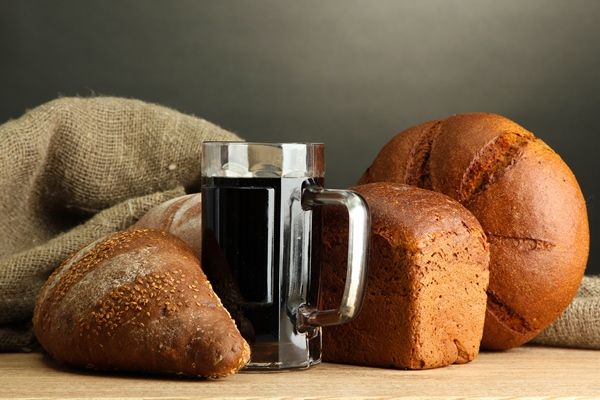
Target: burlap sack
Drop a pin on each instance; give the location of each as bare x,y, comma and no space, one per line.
77,168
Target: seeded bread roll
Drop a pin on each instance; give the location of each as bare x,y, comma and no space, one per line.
525,197
428,275
138,301
182,216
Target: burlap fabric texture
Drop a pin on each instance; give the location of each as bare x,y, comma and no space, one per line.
74,169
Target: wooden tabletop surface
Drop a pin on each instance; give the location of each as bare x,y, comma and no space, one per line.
525,372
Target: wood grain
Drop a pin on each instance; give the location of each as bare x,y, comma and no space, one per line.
524,372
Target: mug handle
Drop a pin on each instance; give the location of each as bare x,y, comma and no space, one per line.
358,255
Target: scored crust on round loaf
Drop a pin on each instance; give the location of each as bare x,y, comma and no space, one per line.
138,301
428,275
526,199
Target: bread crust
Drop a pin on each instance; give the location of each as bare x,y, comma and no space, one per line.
525,197
426,295
181,216
137,301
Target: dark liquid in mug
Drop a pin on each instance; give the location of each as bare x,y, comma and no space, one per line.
248,226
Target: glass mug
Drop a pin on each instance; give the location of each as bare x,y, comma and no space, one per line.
261,237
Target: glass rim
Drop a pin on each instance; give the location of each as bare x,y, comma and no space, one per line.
254,159
247,143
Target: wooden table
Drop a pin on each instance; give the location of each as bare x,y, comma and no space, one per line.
528,371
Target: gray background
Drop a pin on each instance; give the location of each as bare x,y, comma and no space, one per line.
348,73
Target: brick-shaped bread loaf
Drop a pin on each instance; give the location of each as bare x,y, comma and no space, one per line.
138,301
428,276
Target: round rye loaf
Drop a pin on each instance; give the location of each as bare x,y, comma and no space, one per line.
526,199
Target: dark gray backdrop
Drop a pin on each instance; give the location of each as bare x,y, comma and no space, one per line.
348,73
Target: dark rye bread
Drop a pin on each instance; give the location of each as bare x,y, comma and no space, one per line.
137,301
426,295
525,197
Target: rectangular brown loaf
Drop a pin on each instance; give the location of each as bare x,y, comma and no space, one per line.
426,296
